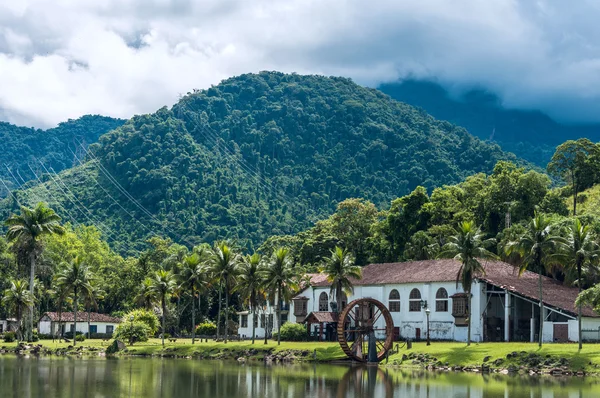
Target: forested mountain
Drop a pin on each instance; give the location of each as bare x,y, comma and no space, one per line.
26,151
258,155
531,135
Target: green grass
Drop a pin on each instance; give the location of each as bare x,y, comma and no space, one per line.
458,354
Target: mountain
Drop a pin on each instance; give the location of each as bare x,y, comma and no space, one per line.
531,135
26,151
258,155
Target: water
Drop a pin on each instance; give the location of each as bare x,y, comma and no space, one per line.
137,377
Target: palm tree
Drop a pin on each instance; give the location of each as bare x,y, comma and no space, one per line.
280,281
60,295
146,295
224,266
467,246
251,282
538,248
193,277
27,228
91,301
163,285
75,277
580,250
17,298
340,269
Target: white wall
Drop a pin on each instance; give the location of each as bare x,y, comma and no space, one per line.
548,333
82,326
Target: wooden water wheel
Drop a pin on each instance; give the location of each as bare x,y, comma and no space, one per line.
361,319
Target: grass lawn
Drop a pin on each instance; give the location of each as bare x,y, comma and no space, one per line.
461,355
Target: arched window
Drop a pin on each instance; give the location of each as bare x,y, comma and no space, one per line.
323,302
414,301
394,303
441,300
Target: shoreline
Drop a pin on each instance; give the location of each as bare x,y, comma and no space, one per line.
485,358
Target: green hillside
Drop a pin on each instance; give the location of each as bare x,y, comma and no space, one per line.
26,151
258,155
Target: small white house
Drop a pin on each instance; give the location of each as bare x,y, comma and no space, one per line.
99,323
8,325
504,305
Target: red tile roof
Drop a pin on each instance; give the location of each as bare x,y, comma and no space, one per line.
81,317
321,316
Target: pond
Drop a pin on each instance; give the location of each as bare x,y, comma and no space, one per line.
140,377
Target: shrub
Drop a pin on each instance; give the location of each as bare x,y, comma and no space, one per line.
69,334
35,336
206,329
292,332
80,337
132,332
145,316
9,337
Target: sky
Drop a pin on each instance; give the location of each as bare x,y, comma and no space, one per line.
61,59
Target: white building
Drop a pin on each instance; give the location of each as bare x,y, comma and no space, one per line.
505,306
99,323
8,325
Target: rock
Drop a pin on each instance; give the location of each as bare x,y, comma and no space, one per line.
241,360
498,362
485,359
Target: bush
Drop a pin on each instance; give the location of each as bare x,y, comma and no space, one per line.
145,316
80,337
132,332
69,334
9,337
101,336
206,329
35,337
292,332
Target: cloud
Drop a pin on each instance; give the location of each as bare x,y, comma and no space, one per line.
66,58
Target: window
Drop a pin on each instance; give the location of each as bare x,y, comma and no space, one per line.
394,301
323,302
255,320
110,329
262,321
300,307
459,305
244,321
414,301
441,300
284,318
93,329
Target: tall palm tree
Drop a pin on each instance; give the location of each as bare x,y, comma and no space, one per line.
580,250
91,299
163,285
251,282
17,298
193,277
60,296
27,228
75,277
146,295
280,281
340,270
539,249
467,246
224,266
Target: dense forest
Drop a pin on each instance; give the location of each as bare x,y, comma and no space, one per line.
26,151
530,134
258,155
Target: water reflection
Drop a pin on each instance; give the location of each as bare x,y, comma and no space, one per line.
63,377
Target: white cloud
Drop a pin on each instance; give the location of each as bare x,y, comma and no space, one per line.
66,58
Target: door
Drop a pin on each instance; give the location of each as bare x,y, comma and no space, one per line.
93,329
396,333
418,334
561,333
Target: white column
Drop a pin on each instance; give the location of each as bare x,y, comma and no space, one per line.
532,329
507,315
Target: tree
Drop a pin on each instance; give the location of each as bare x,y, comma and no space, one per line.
60,295
580,250
573,162
163,286
280,281
468,247
340,270
193,278
91,299
27,228
224,265
250,285
538,249
17,299
421,246
146,294
75,277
